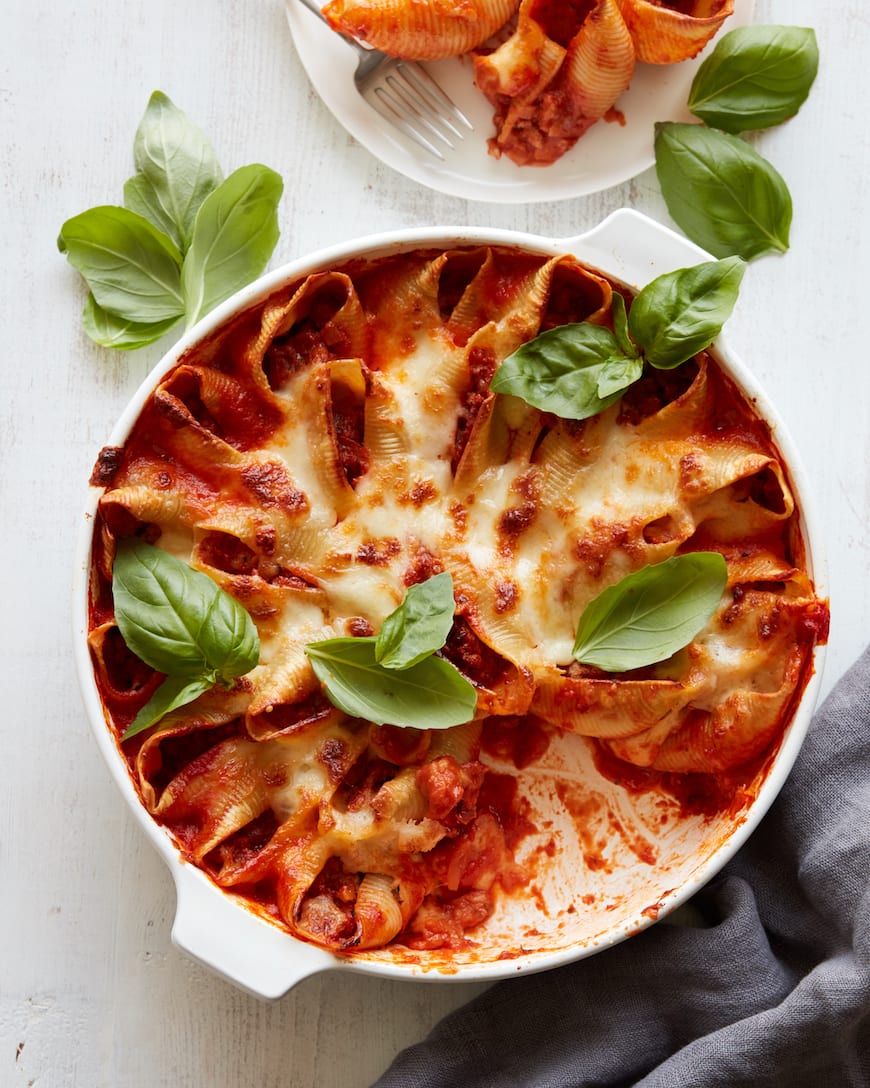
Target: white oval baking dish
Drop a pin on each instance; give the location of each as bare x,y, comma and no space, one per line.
221,932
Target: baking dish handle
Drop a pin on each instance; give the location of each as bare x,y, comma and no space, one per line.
634,248
231,940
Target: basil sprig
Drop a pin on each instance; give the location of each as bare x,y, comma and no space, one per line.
652,613
185,240
721,192
395,677
756,77
181,623
576,371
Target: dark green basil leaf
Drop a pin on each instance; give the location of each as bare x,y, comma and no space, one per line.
175,691
177,170
177,619
110,331
721,192
419,626
234,234
649,615
132,269
432,694
620,327
616,375
560,371
757,76
681,313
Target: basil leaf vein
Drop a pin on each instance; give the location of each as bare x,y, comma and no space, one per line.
756,77
395,678
721,192
651,614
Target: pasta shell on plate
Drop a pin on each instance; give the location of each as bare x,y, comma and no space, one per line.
560,72
420,31
667,33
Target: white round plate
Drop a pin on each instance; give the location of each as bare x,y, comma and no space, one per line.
609,154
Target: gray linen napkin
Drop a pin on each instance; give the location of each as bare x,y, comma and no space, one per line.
770,985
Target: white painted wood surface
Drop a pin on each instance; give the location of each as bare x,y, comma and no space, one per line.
91,992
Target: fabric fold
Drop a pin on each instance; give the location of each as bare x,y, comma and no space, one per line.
761,980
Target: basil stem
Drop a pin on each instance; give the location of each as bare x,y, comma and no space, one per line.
721,192
756,77
651,614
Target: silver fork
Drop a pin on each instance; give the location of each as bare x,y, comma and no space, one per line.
406,95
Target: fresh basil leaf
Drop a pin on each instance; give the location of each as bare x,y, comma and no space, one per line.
560,370
132,269
652,613
175,691
141,197
433,694
177,170
680,313
229,636
177,619
756,76
721,192
234,234
620,327
616,375
110,331
419,626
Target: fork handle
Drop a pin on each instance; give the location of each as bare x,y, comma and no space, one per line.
363,52
314,6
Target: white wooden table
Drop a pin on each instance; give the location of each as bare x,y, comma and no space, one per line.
92,994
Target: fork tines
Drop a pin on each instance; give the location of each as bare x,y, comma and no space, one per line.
410,99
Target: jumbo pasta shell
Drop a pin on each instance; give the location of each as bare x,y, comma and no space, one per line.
600,62
667,33
559,73
420,31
